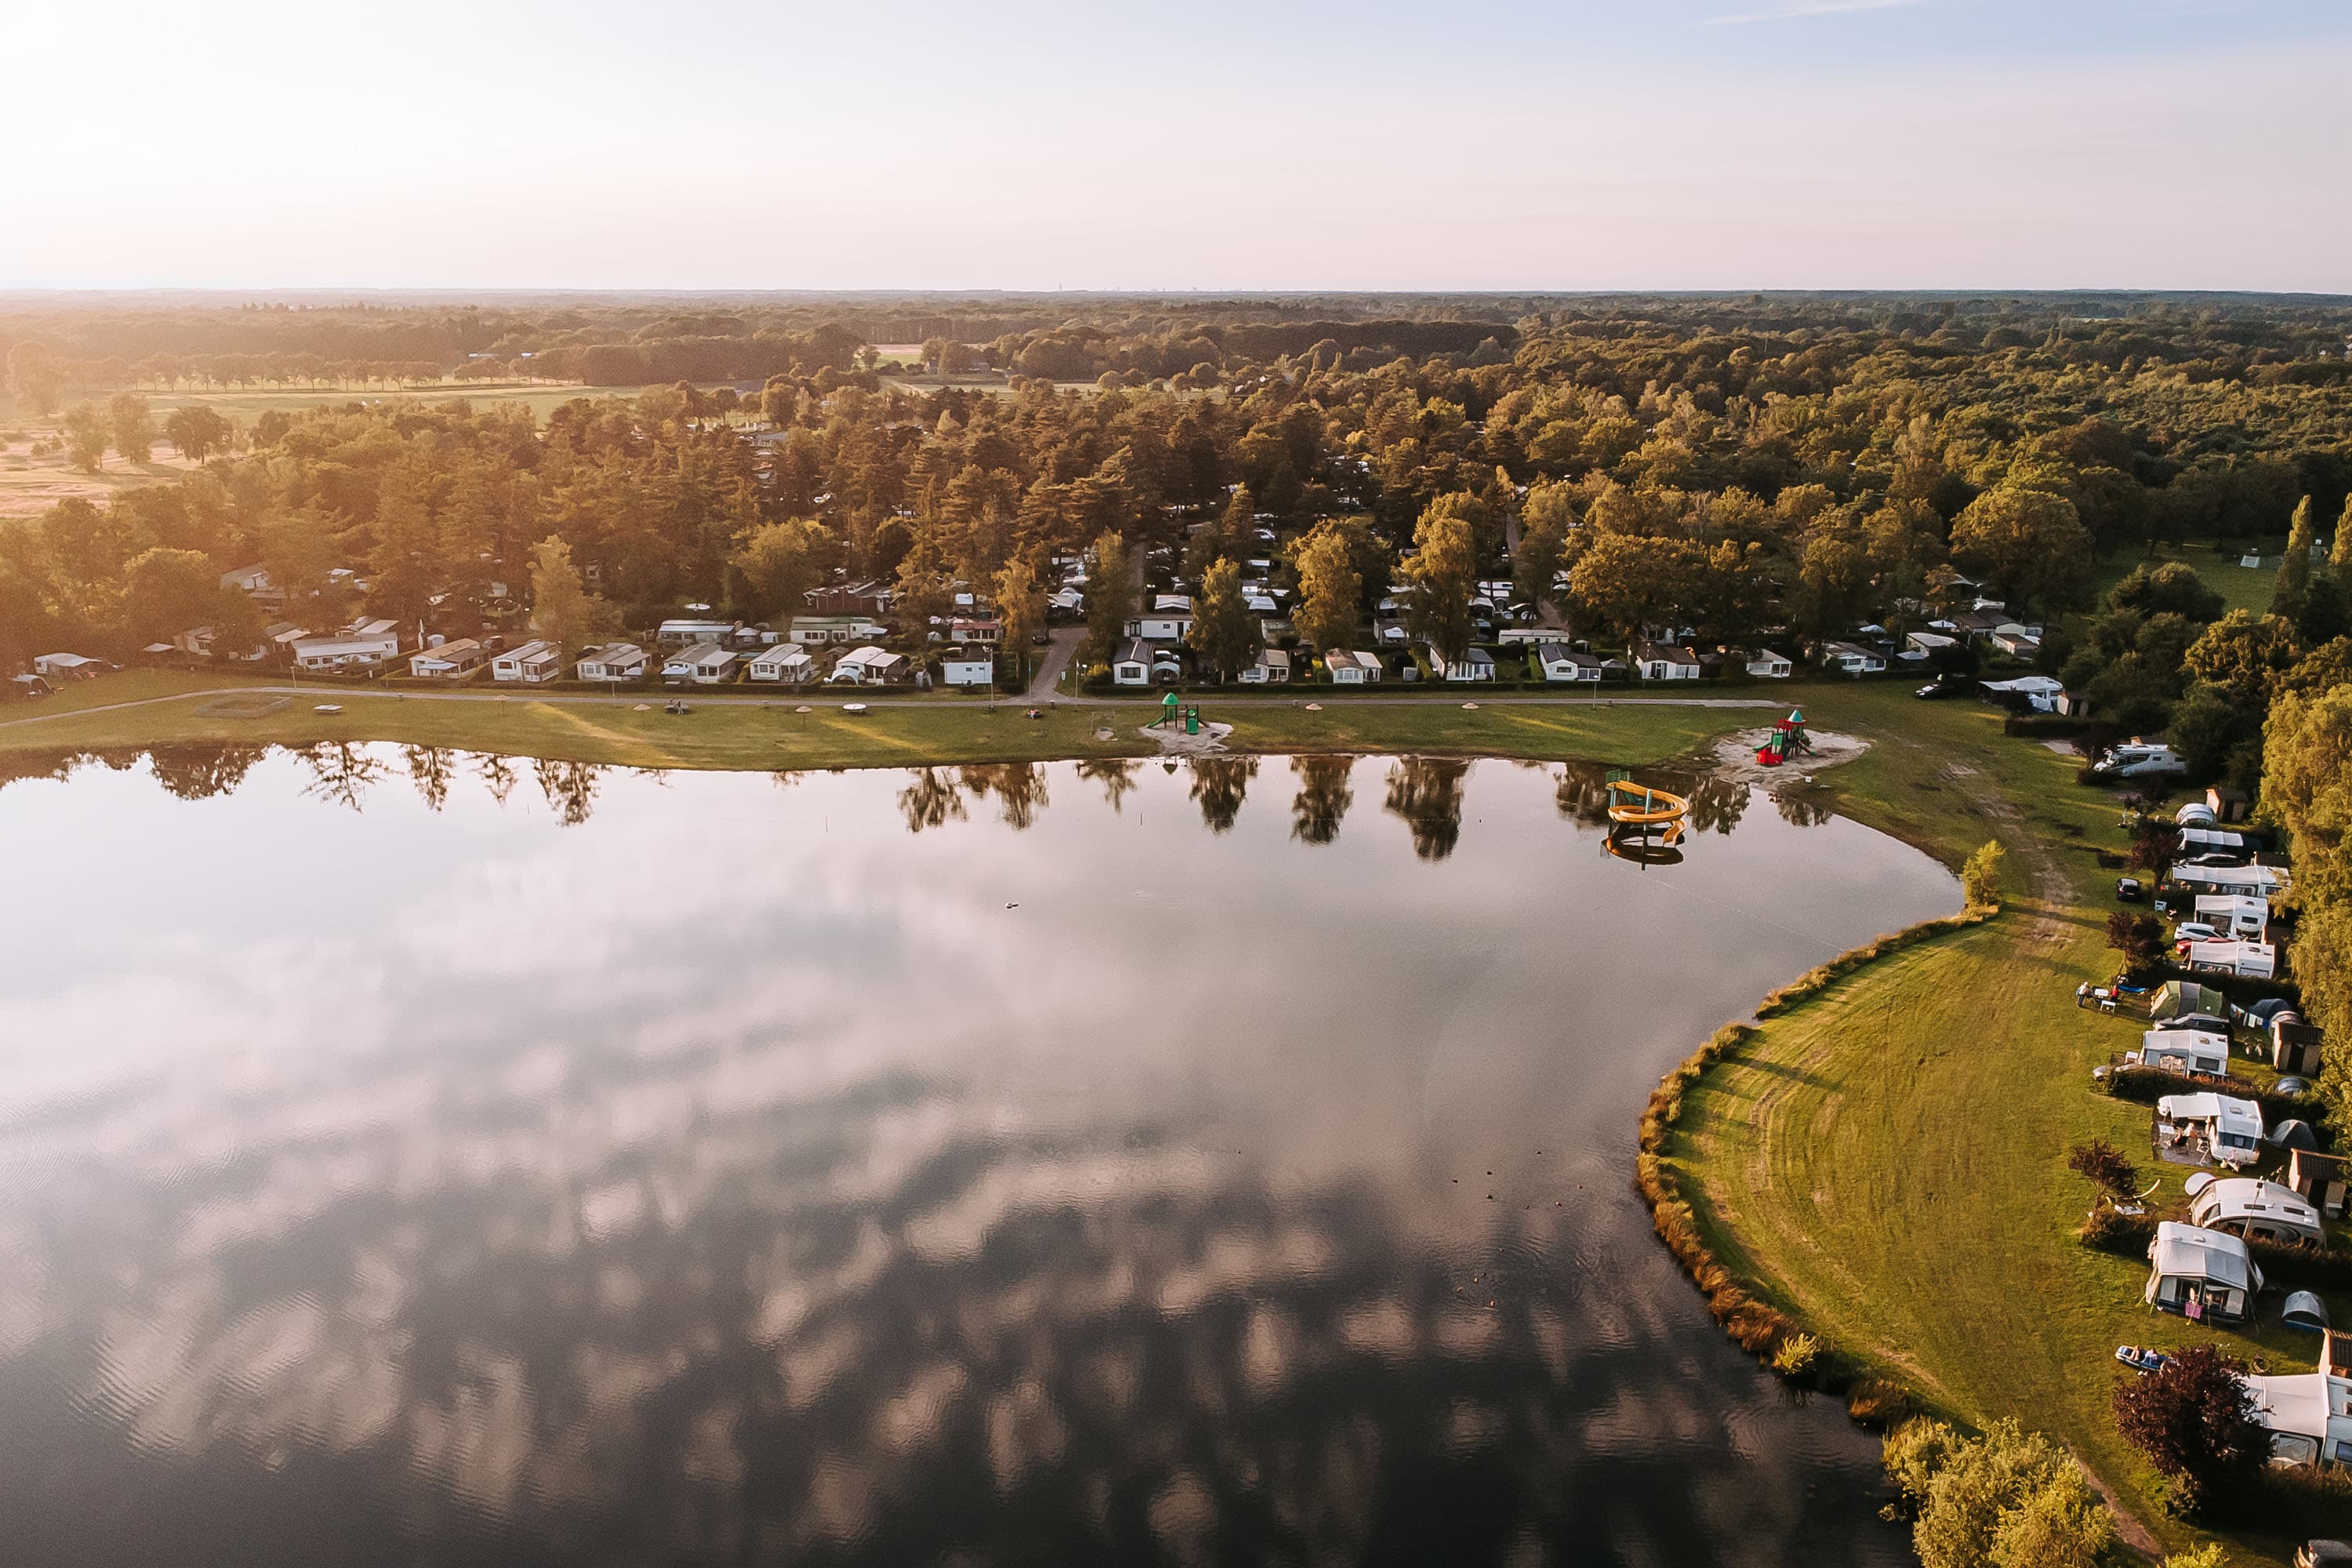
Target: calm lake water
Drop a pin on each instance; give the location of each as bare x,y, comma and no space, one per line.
414,1158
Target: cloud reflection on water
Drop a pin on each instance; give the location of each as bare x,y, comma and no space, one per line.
732,1172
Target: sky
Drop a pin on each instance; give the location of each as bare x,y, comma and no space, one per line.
1217,144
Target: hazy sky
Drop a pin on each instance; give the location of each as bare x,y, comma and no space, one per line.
1221,144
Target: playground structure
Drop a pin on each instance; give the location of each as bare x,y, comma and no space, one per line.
1635,812
1789,739
1180,715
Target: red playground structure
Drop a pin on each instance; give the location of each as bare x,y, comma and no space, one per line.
1789,739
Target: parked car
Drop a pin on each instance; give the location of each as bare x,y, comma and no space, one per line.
2324,1555
2128,889
1943,686
1040,639
2195,930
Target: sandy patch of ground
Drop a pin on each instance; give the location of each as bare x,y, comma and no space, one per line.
1735,756
1174,742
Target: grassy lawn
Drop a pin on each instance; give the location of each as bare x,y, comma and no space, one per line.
752,734
1888,1161
2243,588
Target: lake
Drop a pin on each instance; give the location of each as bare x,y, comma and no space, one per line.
409,1157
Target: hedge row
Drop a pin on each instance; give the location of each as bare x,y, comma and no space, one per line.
2146,1086
1755,1326
2285,1265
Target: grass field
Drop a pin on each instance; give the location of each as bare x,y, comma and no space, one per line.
1888,1161
756,734
2240,587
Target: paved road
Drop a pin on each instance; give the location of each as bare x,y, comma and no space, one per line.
1454,698
1066,643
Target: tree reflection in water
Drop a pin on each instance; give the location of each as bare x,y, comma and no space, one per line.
342,772
1427,793
570,788
1325,794
1220,784
498,773
199,772
429,769
929,800
1019,788
1117,776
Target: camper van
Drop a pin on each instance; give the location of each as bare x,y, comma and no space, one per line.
2140,759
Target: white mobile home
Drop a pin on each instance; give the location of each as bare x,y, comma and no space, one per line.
2229,1129
2254,1208
362,645
868,666
691,634
787,664
1770,666
2207,1274
613,661
704,664
1851,656
812,630
1475,664
1560,662
450,661
1351,668
2236,914
1665,661
1132,665
2308,1415
971,667
1162,625
2252,959
2252,880
2184,1051
532,663
1272,669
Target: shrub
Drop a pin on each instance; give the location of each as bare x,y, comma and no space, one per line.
2102,1164
2194,1420
1877,1403
2126,1236
2008,1499
2206,1555
1980,877
1795,1356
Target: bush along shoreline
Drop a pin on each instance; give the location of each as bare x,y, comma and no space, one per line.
1755,1325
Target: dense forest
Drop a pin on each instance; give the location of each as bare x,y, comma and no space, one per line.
1784,466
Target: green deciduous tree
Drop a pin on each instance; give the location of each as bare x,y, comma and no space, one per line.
781,561
134,426
1110,595
1224,633
196,432
2194,1420
2028,544
1442,573
35,378
563,611
87,434
167,591
1545,519
1980,877
2290,595
1329,589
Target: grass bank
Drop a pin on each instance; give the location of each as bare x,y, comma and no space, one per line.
739,733
1884,1162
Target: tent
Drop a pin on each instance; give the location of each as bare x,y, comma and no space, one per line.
2175,997
2305,1311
